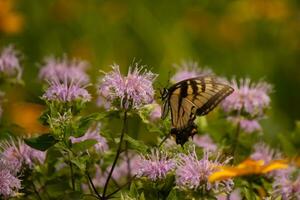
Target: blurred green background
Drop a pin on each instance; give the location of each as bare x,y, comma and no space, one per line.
242,38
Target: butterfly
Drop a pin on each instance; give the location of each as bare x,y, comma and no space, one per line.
190,98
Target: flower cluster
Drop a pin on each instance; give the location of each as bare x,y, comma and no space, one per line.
67,80
265,153
155,166
10,63
132,91
67,91
18,155
287,184
14,157
205,142
247,104
64,70
189,69
9,183
193,173
93,133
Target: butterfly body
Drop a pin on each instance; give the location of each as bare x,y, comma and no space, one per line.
182,135
190,98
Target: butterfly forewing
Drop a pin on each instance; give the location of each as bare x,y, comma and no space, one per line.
196,96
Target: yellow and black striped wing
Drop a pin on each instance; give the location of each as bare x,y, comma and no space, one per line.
192,97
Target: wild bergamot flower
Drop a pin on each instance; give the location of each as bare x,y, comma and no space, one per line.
131,91
193,173
10,63
17,155
9,183
93,133
263,152
247,104
63,69
155,166
66,91
189,69
287,184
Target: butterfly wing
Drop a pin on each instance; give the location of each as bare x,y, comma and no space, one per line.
192,97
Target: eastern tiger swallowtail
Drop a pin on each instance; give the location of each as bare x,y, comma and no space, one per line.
190,98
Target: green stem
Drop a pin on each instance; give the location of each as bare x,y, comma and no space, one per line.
121,187
72,172
127,162
165,138
236,140
93,186
252,190
117,155
36,191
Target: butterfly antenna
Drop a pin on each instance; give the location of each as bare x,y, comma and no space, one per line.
165,138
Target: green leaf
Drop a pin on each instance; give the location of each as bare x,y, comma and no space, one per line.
80,162
58,188
53,154
286,144
74,195
142,196
172,195
84,145
135,144
133,190
85,123
44,117
42,142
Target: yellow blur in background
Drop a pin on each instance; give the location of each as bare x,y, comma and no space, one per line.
26,117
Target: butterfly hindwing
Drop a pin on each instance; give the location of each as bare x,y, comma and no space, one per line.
192,97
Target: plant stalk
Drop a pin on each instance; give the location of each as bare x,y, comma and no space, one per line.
236,140
93,186
72,172
117,155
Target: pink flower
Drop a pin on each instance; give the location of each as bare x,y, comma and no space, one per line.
205,142
193,173
9,184
155,166
10,63
251,98
94,134
67,91
247,104
265,153
189,69
247,125
18,154
63,69
131,91
287,185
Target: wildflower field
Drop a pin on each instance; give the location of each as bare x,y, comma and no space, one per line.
137,100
